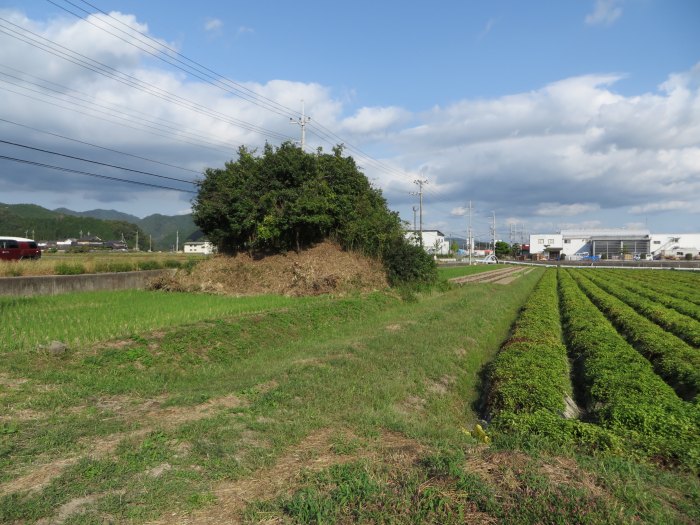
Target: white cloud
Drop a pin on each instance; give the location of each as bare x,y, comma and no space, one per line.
555,209
374,120
655,207
459,211
605,12
244,30
213,24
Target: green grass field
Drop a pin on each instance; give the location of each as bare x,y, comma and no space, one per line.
174,407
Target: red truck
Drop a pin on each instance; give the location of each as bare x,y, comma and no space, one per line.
17,248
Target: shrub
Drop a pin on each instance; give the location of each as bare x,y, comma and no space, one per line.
407,263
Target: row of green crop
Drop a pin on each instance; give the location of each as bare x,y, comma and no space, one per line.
681,325
622,391
656,294
531,371
675,284
628,408
673,359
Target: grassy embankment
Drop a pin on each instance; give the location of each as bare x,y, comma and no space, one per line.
302,410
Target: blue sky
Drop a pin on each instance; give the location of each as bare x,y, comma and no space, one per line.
567,113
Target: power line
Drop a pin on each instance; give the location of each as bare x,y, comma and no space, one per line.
25,146
69,170
241,90
260,100
100,68
157,51
58,135
202,144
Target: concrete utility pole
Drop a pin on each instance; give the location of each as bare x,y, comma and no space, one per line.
414,219
470,241
177,241
493,230
137,241
301,121
420,183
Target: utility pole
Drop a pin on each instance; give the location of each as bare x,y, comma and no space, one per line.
420,183
177,241
469,236
415,209
150,243
136,248
493,231
301,121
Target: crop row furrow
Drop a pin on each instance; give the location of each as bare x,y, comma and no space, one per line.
681,325
622,391
653,293
531,371
673,359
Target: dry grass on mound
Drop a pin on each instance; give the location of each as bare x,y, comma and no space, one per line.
325,268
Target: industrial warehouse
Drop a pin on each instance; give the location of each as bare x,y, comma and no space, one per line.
615,244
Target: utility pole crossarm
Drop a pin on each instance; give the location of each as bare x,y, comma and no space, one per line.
302,122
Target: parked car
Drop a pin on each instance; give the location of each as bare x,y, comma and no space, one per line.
17,248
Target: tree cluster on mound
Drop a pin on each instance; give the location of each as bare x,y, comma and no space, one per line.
288,199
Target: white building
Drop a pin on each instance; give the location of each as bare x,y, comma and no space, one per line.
203,247
675,245
613,244
433,241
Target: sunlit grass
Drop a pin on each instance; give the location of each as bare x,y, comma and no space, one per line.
79,319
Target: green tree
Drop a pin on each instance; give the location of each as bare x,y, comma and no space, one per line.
289,199
502,249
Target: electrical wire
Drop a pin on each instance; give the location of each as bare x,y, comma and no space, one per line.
70,170
25,146
201,144
182,62
237,89
58,135
49,46
321,131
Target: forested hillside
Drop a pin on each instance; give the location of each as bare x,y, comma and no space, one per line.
30,220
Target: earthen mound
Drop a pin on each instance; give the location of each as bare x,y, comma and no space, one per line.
325,268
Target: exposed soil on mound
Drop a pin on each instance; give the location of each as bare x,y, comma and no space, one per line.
325,268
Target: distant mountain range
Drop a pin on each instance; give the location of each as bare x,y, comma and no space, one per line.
30,220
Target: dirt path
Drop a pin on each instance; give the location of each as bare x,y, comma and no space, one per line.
488,277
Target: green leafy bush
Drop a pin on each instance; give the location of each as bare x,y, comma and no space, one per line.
408,263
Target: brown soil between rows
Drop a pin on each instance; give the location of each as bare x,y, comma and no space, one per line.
324,268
